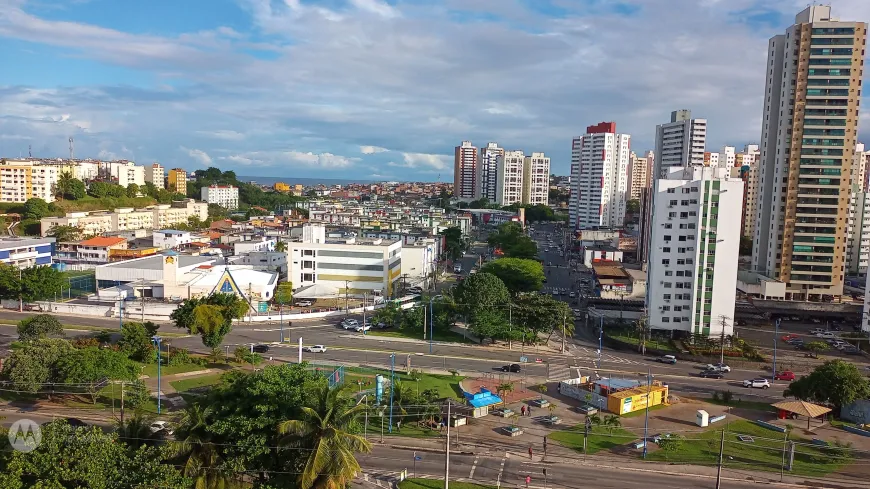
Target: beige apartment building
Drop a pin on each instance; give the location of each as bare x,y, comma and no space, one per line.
809,128
22,180
160,216
156,175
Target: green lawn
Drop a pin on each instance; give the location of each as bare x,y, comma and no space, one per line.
151,369
446,385
195,382
600,438
439,484
651,344
764,453
446,336
737,403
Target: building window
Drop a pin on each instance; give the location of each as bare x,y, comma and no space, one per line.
666,320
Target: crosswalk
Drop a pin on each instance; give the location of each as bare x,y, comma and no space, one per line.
584,354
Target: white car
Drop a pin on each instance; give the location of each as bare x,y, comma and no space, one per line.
315,349
816,331
304,304
826,334
363,327
718,367
161,426
757,383
572,295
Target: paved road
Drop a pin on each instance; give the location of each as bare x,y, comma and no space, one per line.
512,471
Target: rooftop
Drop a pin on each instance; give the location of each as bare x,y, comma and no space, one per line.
101,241
156,262
17,242
617,384
173,232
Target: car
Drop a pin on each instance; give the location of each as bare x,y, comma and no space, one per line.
667,359
457,268
788,337
719,367
514,367
163,426
261,348
304,304
815,331
826,334
416,290
349,324
572,294
711,374
315,349
757,383
363,327
784,375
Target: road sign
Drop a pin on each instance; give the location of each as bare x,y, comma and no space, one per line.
524,359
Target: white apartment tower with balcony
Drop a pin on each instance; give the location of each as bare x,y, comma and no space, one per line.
536,179
808,137
641,167
600,161
465,184
693,252
680,142
509,180
487,171
225,196
156,175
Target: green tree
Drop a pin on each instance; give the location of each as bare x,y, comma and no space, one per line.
481,291
745,245
65,234
92,367
325,431
413,318
541,314
70,457
31,367
454,245
670,444
201,457
132,190
75,190
816,347
513,243
489,323
519,275
284,294
632,206
61,188
136,342
612,421
281,246
150,190
30,284
98,189
136,394
135,430
389,314
210,317
39,326
36,208
835,383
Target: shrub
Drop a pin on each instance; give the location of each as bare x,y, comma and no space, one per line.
727,397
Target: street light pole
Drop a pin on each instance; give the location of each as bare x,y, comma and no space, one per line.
431,322
775,335
156,340
392,386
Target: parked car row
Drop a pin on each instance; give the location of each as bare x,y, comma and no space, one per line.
350,323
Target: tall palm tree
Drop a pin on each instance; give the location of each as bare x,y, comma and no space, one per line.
63,183
136,430
281,246
324,430
201,457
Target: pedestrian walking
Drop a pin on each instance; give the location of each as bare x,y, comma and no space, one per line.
530,411
523,411
530,453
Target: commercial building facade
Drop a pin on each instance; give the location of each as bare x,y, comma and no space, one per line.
694,247
156,175
814,77
26,252
176,181
509,180
640,169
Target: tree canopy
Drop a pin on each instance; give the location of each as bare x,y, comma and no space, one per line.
510,239
481,291
30,284
39,326
210,317
835,383
518,274
65,234
454,245
36,208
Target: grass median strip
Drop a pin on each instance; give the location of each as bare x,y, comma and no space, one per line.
600,438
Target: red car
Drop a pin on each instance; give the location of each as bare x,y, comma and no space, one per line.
789,336
786,375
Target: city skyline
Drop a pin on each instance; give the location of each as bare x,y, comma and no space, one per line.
257,86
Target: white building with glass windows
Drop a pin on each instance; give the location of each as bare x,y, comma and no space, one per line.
360,265
695,240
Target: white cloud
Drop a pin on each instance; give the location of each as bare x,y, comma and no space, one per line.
292,158
377,7
198,155
370,150
224,134
423,160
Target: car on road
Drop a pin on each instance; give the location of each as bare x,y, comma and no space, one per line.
315,349
826,334
158,426
815,331
457,268
757,383
514,367
416,290
784,375
670,359
711,374
261,348
363,327
304,304
572,294
719,367
788,337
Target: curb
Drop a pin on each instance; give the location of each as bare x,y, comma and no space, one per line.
429,450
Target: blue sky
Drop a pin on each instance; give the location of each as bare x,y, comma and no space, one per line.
379,89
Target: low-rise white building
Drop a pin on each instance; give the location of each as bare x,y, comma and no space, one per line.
695,238
170,238
356,265
23,180
253,244
223,195
419,261
26,252
127,219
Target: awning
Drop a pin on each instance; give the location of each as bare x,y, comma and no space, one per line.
316,291
802,408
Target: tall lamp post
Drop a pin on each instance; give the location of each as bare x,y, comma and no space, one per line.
775,335
156,340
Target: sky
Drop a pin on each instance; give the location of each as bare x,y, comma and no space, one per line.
375,89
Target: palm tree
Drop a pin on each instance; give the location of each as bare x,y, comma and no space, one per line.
504,388
201,457
612,421
281,246
63,182
136,430
324,431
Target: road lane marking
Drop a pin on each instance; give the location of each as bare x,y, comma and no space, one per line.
473,467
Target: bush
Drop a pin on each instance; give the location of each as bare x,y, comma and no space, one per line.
727,397
85,342
181,356
136,394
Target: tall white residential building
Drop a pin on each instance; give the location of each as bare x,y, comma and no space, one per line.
509,180
695,239
536,179
22,180
747,161
680,142
814,73
641,167
465,162
711,159
573,201
223,195
727,157
858,221
487,171
127,172
602,157
156,175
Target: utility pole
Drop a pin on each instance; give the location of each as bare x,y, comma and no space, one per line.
510,327
122,403
424,322
719,470
364,313
346,287
775,334
447,451
646,415
723,321
563,331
